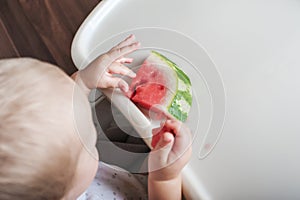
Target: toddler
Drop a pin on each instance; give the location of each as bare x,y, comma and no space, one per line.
47,136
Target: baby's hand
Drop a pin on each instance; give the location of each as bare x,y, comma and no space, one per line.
171,150
101,72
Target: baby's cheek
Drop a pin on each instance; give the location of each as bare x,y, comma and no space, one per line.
95,154
93,165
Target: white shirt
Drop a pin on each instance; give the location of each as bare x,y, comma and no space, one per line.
112,182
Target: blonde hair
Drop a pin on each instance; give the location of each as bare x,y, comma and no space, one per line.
37,159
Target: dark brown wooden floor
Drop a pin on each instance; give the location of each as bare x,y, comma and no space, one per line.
42,29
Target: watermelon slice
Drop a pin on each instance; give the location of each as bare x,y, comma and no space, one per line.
160,81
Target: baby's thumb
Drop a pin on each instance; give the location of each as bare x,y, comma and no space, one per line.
165,139
164,146
123,85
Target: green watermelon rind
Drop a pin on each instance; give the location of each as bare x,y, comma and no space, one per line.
187,96
177,113
174,108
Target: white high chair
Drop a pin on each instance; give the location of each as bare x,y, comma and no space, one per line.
243,60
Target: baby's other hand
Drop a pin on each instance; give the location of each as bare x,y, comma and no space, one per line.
171,150
101,72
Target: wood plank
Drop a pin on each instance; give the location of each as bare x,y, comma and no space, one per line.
26,40
56,21
7,47
50,24
43,29
78,13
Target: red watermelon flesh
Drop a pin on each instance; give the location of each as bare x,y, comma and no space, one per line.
148,87
159,81
149,94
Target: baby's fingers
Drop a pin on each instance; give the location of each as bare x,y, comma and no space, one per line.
118,68
165,139
113,82
122,85
124,60
164,145
160,154
115,54
128,41
175,125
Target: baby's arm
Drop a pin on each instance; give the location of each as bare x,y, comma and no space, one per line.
100,72
171,153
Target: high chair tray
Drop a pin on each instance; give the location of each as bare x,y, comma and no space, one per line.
242,58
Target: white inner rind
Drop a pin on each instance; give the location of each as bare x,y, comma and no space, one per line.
171,78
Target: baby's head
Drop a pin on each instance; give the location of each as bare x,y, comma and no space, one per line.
41,113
